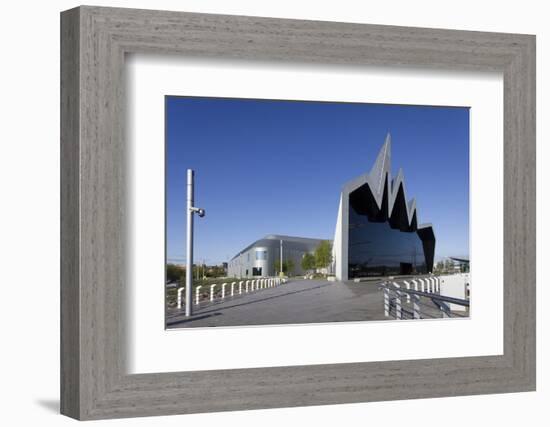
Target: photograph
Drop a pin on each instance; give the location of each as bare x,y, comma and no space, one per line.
285,212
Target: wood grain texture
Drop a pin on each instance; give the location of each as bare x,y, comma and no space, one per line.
94,383
70,264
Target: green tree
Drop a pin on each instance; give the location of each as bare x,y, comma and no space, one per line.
174,272
288,266
308,262
323,254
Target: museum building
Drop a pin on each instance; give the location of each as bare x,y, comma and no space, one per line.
376,228
259,259
376,233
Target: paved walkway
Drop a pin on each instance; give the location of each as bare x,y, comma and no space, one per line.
297,301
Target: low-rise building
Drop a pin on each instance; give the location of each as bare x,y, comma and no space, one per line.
261,258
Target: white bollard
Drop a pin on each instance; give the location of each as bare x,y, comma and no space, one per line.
212,292
223,290
415,283
247,283
386,302
197,294
421,285
245,288
408,286
240,288
180,291
253,283
261,284
233,288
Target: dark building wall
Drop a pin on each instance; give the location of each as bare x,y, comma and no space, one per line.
382,243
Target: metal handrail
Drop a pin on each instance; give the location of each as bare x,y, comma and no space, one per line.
457,301
395,306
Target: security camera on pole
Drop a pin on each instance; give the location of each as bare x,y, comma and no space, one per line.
189,270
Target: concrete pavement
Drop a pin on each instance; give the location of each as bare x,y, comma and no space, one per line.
298,301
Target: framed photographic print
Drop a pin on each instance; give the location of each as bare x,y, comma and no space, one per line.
347,210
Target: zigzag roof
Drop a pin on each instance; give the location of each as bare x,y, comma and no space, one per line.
379,175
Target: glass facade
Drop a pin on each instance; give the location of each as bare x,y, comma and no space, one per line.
375,249
380,244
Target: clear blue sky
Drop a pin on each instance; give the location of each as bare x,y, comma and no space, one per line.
277,167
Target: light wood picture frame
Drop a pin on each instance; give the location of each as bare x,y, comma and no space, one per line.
94,42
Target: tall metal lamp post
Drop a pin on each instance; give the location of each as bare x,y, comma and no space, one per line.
191,210
281,272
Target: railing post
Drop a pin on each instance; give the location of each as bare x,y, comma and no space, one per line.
408,286
212,292
248,282
398,314
421,284
180,291
416,306
197,294
386,301
223,290
233,288
240,288
415,283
